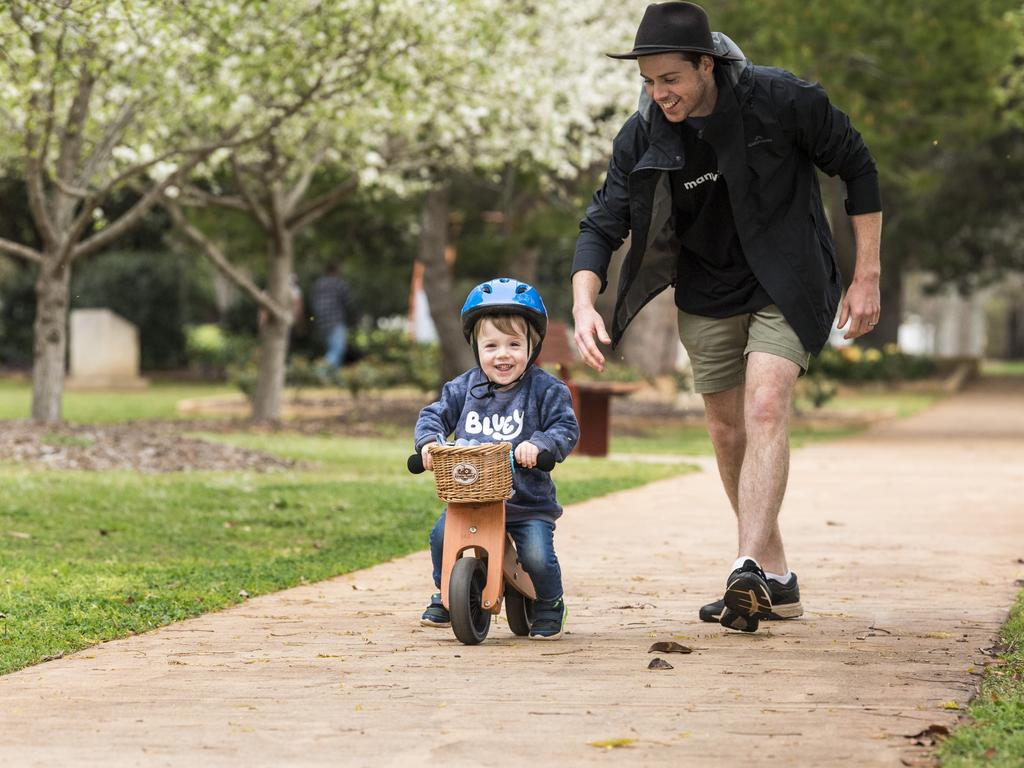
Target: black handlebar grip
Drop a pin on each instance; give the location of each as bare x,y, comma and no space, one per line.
545,461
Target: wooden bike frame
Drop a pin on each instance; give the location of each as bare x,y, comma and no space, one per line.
481,526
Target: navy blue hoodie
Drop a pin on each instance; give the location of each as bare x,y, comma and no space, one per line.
537,409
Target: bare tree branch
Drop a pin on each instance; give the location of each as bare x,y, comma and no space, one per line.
35,164
72,133
229,270
104,149
127,220
317,207
255,207
194,197
71,190
21,251
302,185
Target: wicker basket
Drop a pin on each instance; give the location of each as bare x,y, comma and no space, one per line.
472,473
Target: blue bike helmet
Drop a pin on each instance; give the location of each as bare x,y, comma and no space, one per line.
505,296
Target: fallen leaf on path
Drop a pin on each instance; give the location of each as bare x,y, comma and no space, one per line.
950,705
930,736
994,650
834,523
659,664
669,647
612,743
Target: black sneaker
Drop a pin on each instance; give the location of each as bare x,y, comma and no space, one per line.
549,620
785,602
436,614
747,599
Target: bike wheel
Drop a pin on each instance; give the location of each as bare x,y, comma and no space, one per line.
470,622
518,611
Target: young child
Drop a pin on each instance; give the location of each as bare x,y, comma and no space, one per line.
508,398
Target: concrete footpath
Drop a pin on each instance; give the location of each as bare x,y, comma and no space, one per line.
907,541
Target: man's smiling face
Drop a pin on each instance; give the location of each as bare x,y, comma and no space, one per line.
679,87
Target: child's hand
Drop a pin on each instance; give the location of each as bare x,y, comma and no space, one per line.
526,454
428,460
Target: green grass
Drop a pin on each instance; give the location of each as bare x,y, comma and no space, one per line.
1003,367
993,733
877,404
87,557
158,401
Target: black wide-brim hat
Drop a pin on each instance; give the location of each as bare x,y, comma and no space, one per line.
675,27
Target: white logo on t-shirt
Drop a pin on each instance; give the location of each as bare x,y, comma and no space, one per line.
496,427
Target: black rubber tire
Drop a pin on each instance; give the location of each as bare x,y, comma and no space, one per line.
518,611
470,622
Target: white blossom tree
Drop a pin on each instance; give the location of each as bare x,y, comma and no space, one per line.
279,181
529,92
99,99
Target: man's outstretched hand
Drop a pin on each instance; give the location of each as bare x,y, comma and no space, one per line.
590,330
588,321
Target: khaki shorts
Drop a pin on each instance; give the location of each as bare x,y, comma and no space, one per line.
718,347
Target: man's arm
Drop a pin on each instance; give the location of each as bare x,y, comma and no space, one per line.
862,303
588,321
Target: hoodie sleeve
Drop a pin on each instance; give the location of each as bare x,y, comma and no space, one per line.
442,416
559,429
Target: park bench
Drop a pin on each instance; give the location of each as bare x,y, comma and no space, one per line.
591,400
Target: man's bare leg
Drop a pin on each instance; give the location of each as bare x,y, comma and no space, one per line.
768,395
723,412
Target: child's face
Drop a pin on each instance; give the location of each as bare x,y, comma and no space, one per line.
503,356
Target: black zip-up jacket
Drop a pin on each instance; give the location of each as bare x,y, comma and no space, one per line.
769,130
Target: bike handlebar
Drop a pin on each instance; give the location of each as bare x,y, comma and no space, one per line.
545,462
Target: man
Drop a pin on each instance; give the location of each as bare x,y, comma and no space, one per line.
714,180
331,302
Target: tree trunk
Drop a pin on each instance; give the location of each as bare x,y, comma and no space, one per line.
651,344
887,330
456,356
524,268
274,331
51,339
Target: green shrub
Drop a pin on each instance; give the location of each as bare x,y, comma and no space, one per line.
211,351
855,364
390,357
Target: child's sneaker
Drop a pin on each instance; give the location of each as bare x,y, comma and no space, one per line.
549,620
436,614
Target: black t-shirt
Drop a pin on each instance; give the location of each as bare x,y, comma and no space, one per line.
714,279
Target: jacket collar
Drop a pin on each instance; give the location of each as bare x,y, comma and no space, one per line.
665,148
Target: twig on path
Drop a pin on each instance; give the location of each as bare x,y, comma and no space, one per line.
565,653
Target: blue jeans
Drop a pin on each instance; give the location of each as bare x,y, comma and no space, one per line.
336,339
535,543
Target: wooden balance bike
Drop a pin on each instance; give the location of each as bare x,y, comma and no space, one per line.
475,481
